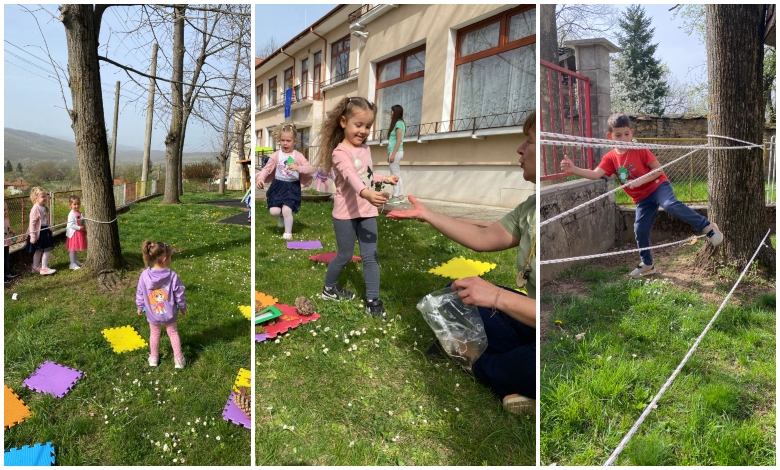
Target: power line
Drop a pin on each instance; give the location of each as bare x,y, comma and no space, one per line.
27,52
25,60
41,76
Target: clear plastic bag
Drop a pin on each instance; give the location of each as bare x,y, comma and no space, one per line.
458,326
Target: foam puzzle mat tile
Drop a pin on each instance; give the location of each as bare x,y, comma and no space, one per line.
53,378
232,413
14,409
264,300
124,339
458,268
246,311
243,379
307,245
328,257
40,455
289,320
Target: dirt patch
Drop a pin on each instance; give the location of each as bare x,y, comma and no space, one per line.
570,287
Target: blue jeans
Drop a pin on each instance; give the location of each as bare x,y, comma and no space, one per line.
647,209
508,365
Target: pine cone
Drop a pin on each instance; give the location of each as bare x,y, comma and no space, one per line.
243,400
304,306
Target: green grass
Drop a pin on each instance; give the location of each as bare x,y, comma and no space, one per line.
122,412
384,403
720,410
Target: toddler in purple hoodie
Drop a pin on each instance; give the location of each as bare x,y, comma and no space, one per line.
161,294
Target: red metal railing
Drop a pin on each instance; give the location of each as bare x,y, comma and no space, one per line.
567,112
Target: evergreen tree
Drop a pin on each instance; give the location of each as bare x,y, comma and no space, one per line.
19,169
9,168
637,83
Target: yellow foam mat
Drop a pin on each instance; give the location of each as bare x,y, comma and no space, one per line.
246,311
243,379
458,268
14,409
264,300
124,339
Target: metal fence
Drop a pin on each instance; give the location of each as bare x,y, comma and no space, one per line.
19,207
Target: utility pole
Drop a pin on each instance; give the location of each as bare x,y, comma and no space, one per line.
149,115
113,138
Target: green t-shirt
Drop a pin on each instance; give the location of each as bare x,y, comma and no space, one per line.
392,138
521,224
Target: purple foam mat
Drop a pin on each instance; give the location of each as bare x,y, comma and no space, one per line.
53,378
312,245
260,337
234,414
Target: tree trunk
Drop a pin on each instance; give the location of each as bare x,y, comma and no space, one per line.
736,177
173,141
82,27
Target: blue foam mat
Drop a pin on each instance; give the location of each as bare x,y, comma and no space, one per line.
37,455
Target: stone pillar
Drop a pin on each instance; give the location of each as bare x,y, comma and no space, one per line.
592,57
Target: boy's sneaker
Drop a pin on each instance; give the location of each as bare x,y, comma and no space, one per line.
179,363
714,235
280,222
287,236
154,361
642,270
518,404
47,271
336,293
375,308
74,267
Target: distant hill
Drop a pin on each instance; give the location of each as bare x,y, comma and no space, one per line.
28,147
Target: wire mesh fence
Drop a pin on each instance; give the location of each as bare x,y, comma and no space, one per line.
18,207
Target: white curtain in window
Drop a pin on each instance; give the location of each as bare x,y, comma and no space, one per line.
498,84
409,96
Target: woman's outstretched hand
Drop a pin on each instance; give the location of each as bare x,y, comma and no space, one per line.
417,212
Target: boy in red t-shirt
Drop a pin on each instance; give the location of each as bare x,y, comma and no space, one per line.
649,189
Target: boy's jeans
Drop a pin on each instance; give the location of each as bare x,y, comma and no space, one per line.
647,208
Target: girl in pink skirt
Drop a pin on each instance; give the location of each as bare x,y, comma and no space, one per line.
75,231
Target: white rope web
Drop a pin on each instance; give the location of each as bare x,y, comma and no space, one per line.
563,140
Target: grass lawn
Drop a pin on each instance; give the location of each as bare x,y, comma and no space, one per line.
686,192
720,410
321,402
122,412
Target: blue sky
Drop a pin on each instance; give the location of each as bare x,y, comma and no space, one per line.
33,102
680,51
283,22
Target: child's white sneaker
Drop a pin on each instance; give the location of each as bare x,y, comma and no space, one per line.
642,270
154,361
179,363
287,236
74,267
47,271
518,404
714,235
280,222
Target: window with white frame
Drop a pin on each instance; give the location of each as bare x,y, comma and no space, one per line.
495,70
339,62
400,82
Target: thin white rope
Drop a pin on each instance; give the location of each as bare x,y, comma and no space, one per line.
735,140
669,381
27,233
549,138
98,221
614,253
565,213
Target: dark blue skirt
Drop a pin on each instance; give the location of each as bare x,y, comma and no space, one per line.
284,193
45,240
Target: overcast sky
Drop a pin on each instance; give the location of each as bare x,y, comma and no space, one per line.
33,101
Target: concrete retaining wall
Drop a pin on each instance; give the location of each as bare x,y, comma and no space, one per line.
588,231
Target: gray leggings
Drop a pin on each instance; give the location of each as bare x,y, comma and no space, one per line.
365,230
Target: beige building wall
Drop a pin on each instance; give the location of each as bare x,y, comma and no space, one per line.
482,170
